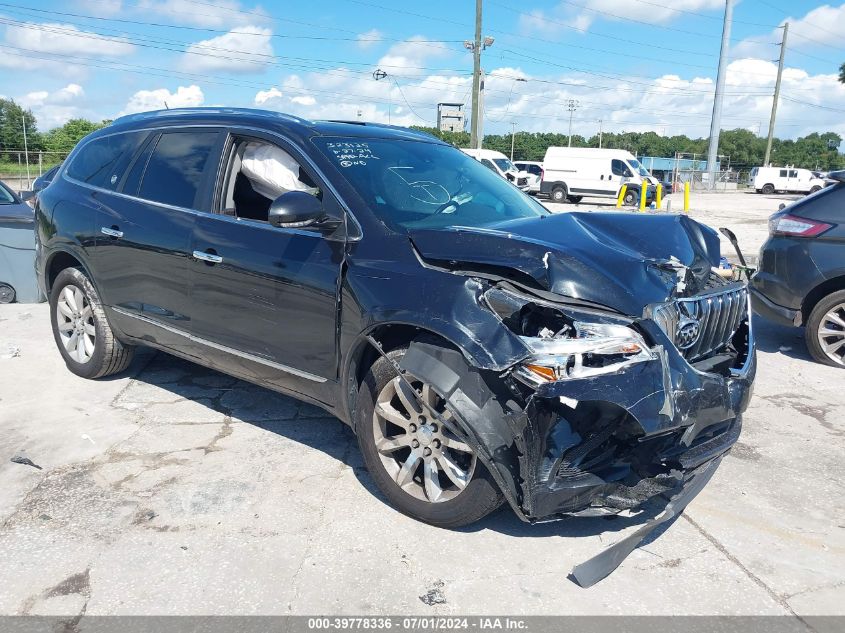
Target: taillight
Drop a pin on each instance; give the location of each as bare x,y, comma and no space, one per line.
799,227
542,174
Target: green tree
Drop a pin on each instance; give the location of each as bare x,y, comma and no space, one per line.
12,120
842,73
63,139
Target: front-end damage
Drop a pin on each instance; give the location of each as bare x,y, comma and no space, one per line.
601,411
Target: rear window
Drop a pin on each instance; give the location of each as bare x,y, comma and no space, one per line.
827,205
176,167
101,162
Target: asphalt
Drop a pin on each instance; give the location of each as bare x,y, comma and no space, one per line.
172,489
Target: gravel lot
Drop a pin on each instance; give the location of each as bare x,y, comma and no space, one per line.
177,490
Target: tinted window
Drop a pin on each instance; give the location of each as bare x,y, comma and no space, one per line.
783,173
101,162
176,167
619,168
136,170
793,173
489,165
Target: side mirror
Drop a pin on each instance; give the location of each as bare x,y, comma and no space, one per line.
296,209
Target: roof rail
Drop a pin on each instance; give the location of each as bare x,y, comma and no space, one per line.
173,112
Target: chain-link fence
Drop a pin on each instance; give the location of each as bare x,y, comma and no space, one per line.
727,180
19,168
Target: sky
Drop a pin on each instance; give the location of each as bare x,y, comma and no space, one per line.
631,65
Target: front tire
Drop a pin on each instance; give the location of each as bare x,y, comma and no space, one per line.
425,471
82,333
825,330
574,199
631,198
815,188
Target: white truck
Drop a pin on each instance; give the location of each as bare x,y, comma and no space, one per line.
502,165
768,180
570,173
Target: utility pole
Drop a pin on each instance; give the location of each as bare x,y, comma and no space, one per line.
476,78
25,148
600,130
777,95
571,105
513,136
716,120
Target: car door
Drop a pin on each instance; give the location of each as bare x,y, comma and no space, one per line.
141,257
620,174
267,297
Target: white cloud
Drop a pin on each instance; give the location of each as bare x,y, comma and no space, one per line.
55,108
819,29
263,96
305,100
65,39
223,13
369,39
568,16
246,50
162,98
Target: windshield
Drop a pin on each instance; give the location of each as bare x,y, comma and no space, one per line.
416,184
637,167
504,164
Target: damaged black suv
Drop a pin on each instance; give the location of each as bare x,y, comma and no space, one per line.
482,348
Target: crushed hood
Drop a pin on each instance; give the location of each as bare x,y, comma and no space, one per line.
621,260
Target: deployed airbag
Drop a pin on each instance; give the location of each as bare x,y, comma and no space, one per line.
271,170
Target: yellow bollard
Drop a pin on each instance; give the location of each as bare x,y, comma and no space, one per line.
659,199
643,194
686,197
621,197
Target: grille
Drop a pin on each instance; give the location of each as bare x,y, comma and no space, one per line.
704,323
718,314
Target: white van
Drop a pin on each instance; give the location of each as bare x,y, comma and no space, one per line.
771,179
570,173
500,164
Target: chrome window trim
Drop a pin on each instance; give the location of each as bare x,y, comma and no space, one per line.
229,350
248,128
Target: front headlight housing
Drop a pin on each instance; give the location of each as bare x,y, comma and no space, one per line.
567,343
593,349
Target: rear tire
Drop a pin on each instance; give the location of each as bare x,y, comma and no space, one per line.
558,194
825,330
462,506
82,333
768,189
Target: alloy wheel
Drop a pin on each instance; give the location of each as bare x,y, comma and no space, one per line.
425,459
831,334
75,322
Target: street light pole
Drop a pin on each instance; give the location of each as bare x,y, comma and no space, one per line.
600,130
476,78
571,105
513,136
777,96
716,120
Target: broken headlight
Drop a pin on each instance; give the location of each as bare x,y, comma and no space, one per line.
590,349
566,343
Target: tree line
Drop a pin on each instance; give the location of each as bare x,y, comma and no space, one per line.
14,118
745,149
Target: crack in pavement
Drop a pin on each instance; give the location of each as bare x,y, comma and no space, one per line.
779,599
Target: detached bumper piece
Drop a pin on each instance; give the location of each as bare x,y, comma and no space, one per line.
600,445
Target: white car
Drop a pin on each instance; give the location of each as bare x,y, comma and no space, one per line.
501,164
786,179
535,170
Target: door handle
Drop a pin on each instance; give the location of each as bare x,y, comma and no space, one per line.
111,232
211,258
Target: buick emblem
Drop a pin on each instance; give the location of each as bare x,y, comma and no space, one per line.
688,331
